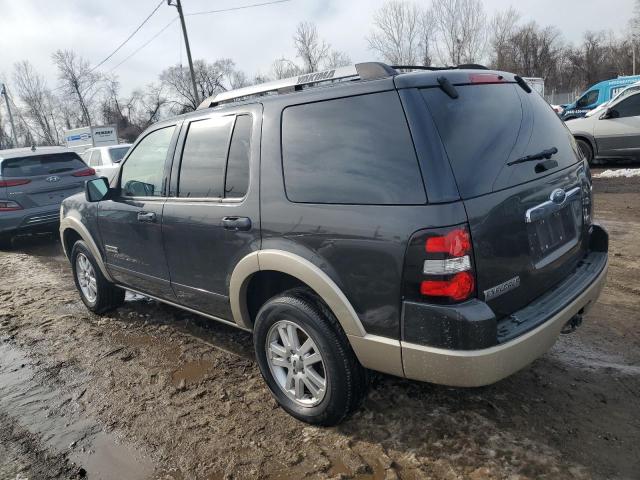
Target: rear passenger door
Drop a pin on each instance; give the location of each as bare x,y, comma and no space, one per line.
211,219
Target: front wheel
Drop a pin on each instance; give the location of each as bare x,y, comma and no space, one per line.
97,293
585,150
306,359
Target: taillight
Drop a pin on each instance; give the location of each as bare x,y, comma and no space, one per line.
87,172
439,266
9,206
14,182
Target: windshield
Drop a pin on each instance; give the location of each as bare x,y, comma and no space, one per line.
41,165
490,125
118,153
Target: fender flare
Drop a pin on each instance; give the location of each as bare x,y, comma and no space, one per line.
71,223
303,270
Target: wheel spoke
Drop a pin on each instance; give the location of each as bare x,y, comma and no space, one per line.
288,384
280,362
293,336
299,385
313,388
311,359
313,376
282,330
278,350
306,346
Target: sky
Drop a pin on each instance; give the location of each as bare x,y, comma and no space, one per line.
253,38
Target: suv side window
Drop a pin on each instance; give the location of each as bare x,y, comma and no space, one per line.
96,159
588,99
236,180
204,158
629,107
143,171
354,150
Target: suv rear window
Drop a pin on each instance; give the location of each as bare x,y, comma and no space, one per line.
48,164
354,150
490,125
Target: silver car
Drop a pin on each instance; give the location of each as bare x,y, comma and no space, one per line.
33,183
106,160
614,133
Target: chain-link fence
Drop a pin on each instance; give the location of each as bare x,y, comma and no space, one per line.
561,98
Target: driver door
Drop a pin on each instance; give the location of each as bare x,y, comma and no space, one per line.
619,134
131,223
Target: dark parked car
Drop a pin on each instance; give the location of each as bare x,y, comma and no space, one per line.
33,183
433,225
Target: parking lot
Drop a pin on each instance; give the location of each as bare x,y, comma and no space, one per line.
153,392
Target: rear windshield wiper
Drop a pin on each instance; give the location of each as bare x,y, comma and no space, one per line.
544,154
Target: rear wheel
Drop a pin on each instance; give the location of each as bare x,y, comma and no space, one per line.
306,360
585,150
97,293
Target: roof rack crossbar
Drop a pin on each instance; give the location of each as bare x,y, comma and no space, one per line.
360,71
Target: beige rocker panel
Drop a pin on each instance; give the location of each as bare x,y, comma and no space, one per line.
378,353
71,223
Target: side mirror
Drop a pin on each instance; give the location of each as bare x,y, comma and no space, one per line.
96,190
609,113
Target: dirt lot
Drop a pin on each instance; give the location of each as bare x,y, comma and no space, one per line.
150,392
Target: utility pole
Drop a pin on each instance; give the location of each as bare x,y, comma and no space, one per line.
178,5
3,91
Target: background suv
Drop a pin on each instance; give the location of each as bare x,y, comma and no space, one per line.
33,183
106,160
434,225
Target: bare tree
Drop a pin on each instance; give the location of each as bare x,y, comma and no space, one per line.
211,78
309,47
38,103
336,59
284,68
399,33
502,27
78,80
461,26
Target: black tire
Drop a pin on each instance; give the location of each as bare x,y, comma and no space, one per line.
108,296
347,381
586,150
5,242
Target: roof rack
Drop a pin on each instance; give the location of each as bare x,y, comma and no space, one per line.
359,71
464,66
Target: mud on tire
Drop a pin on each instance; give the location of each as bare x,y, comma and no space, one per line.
346,380
107,295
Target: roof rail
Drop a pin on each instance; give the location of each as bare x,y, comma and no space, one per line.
359,71
464,66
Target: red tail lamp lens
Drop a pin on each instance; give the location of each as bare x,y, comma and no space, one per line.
87,172
456,243
14,182
458,288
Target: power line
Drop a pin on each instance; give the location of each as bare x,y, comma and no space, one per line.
145,44
237,8
129,37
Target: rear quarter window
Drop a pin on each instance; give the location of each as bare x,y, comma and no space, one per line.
490,125
354,150
46,164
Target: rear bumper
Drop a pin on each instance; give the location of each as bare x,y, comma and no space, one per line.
30,219
473,368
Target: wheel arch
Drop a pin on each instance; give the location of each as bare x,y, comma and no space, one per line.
590,141
72,230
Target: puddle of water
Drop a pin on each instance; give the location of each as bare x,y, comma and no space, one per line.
191,372
50,414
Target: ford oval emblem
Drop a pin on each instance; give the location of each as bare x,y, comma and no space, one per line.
52,179
558,196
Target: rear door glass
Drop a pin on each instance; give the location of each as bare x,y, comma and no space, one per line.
46,164
237,175
354,150
490,125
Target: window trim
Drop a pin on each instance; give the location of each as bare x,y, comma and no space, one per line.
342,97
223,199
177,127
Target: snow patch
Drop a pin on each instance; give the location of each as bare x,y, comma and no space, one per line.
622,172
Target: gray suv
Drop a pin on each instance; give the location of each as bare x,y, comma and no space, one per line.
33,183
434,225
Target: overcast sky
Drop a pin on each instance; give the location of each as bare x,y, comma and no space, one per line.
253,38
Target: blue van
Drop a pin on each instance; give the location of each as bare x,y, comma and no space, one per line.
596,95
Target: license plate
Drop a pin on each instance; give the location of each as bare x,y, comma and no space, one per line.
550,233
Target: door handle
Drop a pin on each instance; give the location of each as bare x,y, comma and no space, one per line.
148,217
236,223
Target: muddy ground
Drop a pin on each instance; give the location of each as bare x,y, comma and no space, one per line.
150,392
